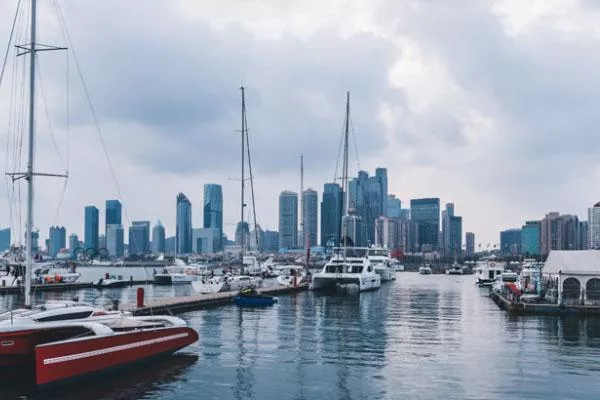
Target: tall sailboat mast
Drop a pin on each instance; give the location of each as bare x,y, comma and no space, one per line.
29,173
345,172
243,180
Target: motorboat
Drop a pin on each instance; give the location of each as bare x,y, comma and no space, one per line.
425,270
180,273
288,273
226,283
381,261
55,273
530,280
111,281
253,298
455,269
503,278
486,272
347,267
251,266
396,265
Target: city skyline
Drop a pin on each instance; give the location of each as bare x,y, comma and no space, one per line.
448,140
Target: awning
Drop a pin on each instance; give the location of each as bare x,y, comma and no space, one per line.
513,288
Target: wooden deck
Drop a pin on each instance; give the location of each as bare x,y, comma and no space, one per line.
188,303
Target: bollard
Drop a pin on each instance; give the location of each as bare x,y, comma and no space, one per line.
295,281
140,297
106,276
130,280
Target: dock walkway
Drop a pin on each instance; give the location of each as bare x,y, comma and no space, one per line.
520,308
61,286
175,305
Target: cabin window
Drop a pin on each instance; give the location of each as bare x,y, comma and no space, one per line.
65,317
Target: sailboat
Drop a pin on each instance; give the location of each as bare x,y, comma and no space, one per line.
60,342
250,267
348,266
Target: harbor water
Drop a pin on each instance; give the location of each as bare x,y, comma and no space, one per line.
421,337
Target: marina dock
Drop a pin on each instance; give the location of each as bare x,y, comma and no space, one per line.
188,303
519,308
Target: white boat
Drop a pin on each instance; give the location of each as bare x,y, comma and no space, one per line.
503,278
180,273
111,281
348,267
486,272
251,266
425,270
55,273
380,258
455,269
226,283
396,266
287,273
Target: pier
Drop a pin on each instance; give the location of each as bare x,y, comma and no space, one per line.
520,308
47,287
189,303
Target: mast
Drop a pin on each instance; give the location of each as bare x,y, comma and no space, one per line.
303,239
345,173
29,173
243,175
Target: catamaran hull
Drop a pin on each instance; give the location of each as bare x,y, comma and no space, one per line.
324,283
386,274
67,360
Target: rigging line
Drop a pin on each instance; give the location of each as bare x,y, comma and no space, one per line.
251,186
354,143
63,29
43,95
10,37
337,162
92,109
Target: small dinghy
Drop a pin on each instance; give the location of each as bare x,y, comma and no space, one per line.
249,297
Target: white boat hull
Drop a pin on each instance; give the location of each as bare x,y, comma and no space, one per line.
208,287
331,281
386,274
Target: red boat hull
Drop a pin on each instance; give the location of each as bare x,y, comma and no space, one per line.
55,362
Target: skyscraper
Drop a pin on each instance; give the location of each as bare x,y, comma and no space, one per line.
530,238
510,242
4,239
184,225
158,238
142,238
331,213
583,235
113,214
367,198
115,238
470,243
426,213
394,206
213,211
594,226
310,215
288,220
271,241
455,238
58,240
91,227
242,235
446,215
73,244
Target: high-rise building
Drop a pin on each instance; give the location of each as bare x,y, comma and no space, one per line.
171,245
583,235
445,237
242,235
331,214
58,240
142,244
203,240
311,217
394,206
367,196
560,232
113,214
4,239
470,243
426,214
288,220
569,232
594,227
455,237
91,227
405,214
158,238
530,238
257,239
381,176
271,241
213,212
510,242
352,230
115,238
73,244
184,225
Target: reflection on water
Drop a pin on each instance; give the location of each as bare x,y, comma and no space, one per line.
420,337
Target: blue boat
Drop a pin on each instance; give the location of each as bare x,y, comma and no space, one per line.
253,298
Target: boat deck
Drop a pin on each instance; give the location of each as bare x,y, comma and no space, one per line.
174,305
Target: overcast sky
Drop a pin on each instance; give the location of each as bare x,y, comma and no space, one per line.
491,105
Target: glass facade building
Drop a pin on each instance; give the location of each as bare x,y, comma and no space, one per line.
4,239
91,228
510,242
470,243
288,220
213,212
58,240
311,217
158,238
531,238
367,198
426,214
183,233
113,213
115,238
331,214
394,206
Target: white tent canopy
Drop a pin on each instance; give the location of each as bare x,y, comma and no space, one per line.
583,262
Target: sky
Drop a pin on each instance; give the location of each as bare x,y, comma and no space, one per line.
491,105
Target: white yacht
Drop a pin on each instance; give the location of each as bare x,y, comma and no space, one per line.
380,258
180,273
251,266
226,283
486,272
396,266
286,274
348,266
425,269
455,269
503,278
55,273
